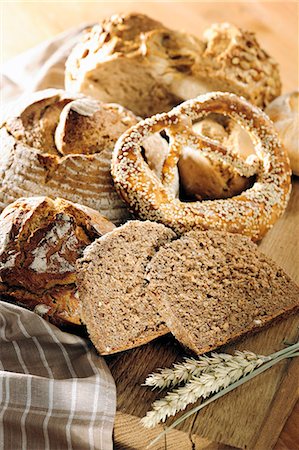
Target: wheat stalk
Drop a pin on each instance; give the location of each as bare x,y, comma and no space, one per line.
255,365
183,372
204,377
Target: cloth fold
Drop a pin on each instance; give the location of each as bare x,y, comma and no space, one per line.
38,68
55,392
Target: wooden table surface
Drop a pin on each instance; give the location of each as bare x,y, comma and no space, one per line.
25,24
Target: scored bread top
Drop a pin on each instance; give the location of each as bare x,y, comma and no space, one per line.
59,123
85,126
34,119
116,308
40,241
59,145
213,287
139,62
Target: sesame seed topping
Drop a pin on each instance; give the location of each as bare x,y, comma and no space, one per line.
252,212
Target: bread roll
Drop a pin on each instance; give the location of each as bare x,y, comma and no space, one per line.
284,112
138,62
40,241
59,145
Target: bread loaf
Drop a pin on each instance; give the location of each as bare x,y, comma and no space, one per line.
138,62
284,112
40,241
215,287
59,145
116,309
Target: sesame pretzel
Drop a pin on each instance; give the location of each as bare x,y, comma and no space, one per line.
252,213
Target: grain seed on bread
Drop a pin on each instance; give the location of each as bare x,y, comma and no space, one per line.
213,287
116,307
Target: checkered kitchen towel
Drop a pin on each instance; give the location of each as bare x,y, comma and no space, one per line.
55,392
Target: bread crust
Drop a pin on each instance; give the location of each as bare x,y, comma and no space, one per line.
40,240
60,145
240,290
284,113
143,65
116,309
252,213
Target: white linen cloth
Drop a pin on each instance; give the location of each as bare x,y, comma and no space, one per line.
38,68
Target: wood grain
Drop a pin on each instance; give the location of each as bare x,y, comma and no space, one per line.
253,415
260,408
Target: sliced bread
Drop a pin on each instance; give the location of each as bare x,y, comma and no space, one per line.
214,287
116,308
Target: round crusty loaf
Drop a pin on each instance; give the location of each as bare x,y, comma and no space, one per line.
40,241
116,309
59,145
213,287
284,112
141,64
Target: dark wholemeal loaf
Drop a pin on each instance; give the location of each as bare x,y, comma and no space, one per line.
40,240
214,287
208,287
116,307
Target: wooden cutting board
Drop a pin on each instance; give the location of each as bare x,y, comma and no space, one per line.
250,417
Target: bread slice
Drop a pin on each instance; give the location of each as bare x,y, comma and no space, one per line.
33,120
116,308
214,287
